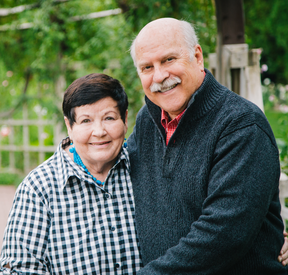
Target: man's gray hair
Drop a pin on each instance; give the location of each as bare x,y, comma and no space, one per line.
189,36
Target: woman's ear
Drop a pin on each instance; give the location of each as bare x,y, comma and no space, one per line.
69,129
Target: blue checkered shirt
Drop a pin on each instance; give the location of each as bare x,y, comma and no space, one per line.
61,222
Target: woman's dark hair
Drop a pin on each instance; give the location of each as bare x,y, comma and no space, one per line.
91,88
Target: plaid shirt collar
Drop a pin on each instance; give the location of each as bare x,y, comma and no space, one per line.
170,126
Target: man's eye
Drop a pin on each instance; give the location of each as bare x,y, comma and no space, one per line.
146,68
170,59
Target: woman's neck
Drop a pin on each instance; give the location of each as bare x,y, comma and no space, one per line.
99,170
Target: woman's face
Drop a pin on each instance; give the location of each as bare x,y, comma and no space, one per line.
98,132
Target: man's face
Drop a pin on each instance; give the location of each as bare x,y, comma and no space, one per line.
162,55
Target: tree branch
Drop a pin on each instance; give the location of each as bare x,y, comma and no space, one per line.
92,15
21,99
18,9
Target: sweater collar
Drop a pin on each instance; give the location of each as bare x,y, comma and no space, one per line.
201,102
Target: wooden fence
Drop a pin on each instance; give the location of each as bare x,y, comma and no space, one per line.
11,146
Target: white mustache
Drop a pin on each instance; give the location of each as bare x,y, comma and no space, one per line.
165,85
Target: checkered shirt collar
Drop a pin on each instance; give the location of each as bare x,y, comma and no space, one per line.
68,168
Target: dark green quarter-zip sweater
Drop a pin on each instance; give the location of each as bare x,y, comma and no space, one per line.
208,202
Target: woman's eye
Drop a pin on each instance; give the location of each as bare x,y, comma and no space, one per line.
85,120
109,118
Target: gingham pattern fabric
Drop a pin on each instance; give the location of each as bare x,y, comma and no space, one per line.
63,223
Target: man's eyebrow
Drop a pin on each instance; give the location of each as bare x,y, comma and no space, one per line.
144,63
170,54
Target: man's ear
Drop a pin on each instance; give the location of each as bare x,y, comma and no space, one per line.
199,56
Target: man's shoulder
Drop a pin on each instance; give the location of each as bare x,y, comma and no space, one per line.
240,107
143,111
144,117
238,112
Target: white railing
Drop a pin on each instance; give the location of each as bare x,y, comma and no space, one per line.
24,147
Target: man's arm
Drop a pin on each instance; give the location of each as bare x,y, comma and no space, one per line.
242,189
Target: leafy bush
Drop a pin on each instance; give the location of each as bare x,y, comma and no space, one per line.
276,110
10,179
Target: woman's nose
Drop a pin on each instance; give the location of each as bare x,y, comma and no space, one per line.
98,129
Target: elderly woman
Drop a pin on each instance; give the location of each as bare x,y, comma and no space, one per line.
74,214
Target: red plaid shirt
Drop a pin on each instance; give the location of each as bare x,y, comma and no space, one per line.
170,126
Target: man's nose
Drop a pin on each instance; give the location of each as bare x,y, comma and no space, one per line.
160,74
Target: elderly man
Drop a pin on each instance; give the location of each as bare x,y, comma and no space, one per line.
205,167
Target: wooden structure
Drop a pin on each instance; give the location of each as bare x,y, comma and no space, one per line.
233,64
25,146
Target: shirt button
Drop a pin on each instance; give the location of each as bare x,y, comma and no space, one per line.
113,228
107,196
117,265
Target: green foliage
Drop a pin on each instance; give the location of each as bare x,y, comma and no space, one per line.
266,28
279,125
201,13
57,45
10,179
276,110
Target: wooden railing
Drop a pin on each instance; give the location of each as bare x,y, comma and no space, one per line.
24,146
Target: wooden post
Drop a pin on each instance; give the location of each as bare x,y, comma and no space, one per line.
233,65
26,140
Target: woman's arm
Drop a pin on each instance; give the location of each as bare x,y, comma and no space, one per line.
283,257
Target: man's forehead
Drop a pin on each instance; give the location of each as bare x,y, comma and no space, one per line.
167,43
154,39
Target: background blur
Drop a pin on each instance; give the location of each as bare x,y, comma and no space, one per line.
45,45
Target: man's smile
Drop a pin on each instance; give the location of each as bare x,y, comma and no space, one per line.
168,88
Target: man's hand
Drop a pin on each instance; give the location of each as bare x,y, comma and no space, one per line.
283,257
